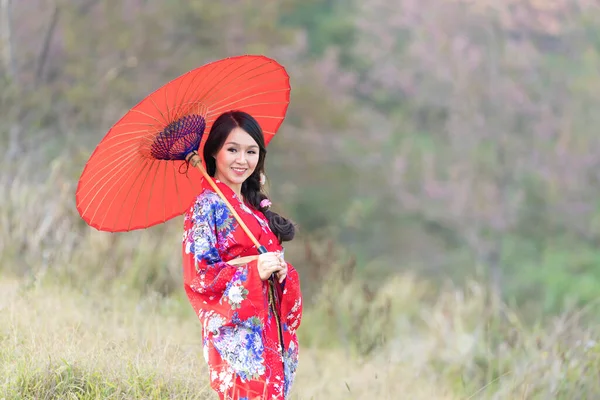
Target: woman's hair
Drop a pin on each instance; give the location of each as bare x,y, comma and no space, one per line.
283,228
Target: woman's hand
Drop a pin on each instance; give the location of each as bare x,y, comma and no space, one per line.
282,273
268,264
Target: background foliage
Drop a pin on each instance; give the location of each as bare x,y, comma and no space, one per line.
452,140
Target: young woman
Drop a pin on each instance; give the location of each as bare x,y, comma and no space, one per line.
250,341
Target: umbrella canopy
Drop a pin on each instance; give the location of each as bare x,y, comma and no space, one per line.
138,175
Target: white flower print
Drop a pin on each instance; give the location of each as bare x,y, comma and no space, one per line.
205,352
214,323
226,378
235,294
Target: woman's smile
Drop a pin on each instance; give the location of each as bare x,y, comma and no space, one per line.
239,171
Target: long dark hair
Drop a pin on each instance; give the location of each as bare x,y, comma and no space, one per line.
283,228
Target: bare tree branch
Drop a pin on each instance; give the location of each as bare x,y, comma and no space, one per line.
46,46
6,39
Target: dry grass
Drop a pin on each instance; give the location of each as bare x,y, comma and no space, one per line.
58,343
63,343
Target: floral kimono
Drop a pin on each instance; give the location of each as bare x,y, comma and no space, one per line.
239,327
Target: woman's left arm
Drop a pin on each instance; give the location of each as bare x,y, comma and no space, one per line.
291,300
234,291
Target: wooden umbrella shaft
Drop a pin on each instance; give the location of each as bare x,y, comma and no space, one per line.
196,161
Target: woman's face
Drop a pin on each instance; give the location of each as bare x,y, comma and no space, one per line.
237,159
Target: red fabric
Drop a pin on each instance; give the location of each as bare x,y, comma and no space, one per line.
240,333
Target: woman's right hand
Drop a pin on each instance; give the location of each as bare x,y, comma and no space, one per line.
268,264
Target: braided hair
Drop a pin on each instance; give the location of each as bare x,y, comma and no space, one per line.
252,192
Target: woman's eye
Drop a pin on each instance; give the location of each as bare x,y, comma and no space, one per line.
252,152
231,150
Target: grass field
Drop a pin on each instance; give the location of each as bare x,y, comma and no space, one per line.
59,343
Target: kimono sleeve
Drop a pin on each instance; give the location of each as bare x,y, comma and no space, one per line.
234,292
291,301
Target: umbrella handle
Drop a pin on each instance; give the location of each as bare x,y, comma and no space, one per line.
196,161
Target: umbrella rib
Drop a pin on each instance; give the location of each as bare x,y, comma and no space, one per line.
217,91
110,135
101,187
219,86
137,198
119,124
209,121
202,94
265,103
160,123
248,89
166,119
199,86
102,168
129,133
166,89
176,107
177,188
184,107
149,127
244,73
249,97
219,71
206,75
268,116
224,77
151,190
136,142
122,152
129,191
119,179
214,93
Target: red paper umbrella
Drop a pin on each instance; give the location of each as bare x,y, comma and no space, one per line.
138,175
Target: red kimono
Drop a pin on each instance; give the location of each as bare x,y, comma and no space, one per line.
239,329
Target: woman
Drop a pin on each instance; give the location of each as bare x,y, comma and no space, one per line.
241,334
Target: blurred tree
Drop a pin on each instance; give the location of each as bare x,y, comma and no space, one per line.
482,120
6,40
326,24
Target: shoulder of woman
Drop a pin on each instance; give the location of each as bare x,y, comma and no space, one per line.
209,199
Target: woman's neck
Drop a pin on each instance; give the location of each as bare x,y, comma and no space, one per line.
237,189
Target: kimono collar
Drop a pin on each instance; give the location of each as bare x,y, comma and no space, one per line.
227,191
